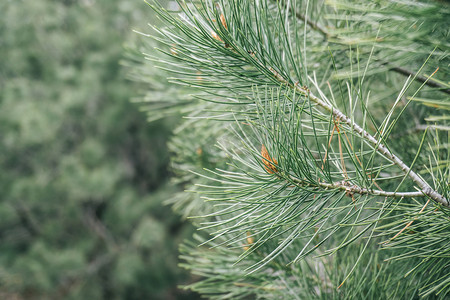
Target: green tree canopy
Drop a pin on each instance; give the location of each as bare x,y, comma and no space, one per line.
78,160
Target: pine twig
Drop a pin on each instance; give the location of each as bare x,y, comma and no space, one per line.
421,79
354,189
425,188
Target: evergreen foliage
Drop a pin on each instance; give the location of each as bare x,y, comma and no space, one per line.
83,175
315,145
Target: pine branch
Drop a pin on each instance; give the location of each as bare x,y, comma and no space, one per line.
426,189
261,222
337,114
355,189
267,70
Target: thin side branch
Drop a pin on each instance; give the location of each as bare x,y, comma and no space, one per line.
421,79
314,25
354,189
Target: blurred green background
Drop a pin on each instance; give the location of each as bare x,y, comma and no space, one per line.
83,174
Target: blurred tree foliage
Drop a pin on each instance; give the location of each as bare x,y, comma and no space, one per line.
78,161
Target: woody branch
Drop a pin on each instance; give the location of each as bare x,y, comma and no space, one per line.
426,190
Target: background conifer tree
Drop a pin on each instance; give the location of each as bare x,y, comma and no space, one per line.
314,148
82,174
